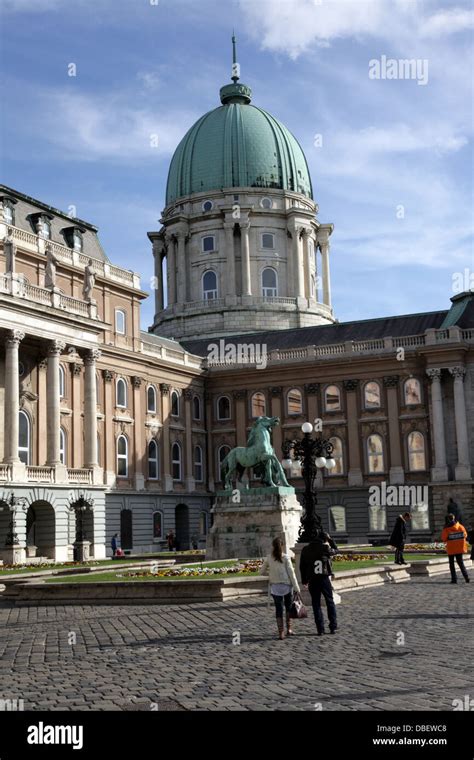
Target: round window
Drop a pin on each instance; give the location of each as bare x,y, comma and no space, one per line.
266,203
207,206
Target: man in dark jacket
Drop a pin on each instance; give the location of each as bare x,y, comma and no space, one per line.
453,509
398,537
316,571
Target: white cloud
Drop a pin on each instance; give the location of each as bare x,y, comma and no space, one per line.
448,22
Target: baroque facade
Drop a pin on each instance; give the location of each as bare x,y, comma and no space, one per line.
134,424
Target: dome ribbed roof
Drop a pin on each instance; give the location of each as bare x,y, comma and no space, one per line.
237,145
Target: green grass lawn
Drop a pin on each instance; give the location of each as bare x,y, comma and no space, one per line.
91,564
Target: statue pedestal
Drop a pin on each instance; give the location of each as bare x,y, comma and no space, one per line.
247,521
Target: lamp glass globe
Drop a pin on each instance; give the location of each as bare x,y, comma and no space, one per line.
307,427
330,464
321,462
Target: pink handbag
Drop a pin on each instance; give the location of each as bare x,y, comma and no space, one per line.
297,610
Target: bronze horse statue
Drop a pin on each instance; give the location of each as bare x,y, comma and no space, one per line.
259,454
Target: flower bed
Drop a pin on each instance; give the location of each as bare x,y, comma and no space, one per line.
250,567
358,557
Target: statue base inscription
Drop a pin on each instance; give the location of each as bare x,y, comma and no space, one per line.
246,528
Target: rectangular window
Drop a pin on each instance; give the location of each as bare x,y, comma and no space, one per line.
120,322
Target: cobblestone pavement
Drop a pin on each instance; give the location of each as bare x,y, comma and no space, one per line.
184,657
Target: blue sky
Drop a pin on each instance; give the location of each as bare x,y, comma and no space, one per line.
393,172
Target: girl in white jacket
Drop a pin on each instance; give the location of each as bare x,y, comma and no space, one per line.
282,582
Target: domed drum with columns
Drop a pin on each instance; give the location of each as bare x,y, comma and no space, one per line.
243,248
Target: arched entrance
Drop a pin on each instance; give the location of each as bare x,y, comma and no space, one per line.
182,527
126,529
41,529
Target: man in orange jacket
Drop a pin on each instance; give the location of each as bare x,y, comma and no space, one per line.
454,535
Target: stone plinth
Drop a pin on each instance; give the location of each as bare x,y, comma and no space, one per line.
82,551
13,555
246,522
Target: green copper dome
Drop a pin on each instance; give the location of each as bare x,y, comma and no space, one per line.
237,145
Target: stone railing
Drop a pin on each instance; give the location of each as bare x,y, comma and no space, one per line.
46,474
75,258
40,474
79,476
18,286
5,471
170,354
210,302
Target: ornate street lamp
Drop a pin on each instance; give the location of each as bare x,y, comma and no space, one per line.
14,503
310,454
79,506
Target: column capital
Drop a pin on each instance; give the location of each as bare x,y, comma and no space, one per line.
240,395
351,385
311,388
14,337
276,390
188,394
56,347
76,369
108,375
457,372
165,389
136,381
244,224
306,232
391,381
92,356
434,374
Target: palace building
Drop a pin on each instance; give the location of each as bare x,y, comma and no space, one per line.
133,424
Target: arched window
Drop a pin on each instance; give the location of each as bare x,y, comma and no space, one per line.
372,395
412,391
338,457
121,393
122,457
153,460
62,446
203,523
266,203
24,437
223,408
416,451
375,458
176,461
157,525
207,206
62,382
209,244
377,518
209,286
257,404
269,283
198,468
120,322
222,452
151,399
332,398
268,240
175,404
337,519
294,401
196,408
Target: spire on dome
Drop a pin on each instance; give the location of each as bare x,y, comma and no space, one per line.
235,93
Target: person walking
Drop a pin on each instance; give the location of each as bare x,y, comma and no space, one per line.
282,582
114,544
454,535
316,572
398,537
453,509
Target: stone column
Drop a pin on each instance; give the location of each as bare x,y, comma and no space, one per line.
53,403
138,435
42,414
211,454
245,242
298,262
181,268
90,408
109,430
354,473
158,256
12,396
165,417
440,470
171,269
189,458
307,262
463,467
275,393
230,258
76,448
324,248
397,472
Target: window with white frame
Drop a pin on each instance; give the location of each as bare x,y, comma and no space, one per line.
372,395
77,241
223,408
122,457
209,286
151,399
416,451
175,404
294,402
198,465
176,461
62,382
24,438
62,446
412,391
337,519
337,455
45,229
120,322
268,240
121,393
332,398
152,460
269,283
258,404
208,244
157,525
375,454
377,518
8,212
196,408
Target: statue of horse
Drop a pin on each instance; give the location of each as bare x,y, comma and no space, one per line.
258,453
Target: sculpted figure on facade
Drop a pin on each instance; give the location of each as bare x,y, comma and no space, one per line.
89,281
